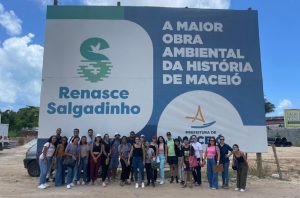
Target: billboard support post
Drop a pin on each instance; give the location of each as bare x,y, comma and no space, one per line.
259,165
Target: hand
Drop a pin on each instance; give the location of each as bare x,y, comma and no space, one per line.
74,158
144,163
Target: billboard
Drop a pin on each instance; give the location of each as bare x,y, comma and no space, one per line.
153,70
291,118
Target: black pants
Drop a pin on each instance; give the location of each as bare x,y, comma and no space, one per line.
125,171
197,173
149,172
104,167
155,174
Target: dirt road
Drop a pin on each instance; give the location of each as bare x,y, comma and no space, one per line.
15,182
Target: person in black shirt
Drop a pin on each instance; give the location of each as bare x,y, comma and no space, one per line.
178,152
105,157
187,151
224,150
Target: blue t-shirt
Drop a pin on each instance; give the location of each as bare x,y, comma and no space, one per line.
224,150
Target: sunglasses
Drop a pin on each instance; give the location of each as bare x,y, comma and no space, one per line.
222,139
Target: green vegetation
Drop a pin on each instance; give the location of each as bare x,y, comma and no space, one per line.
269,107
26,117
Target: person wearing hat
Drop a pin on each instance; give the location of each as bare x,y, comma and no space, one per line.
114,161
172,159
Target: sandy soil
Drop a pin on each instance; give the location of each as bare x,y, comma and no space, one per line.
15,182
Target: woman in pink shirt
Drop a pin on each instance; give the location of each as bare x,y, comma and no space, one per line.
212,155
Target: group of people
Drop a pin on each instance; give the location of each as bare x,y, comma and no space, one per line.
90,157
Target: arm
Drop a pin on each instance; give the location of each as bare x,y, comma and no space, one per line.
143,150
103,149
130,154
218,154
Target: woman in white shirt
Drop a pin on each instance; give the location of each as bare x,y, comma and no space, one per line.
45,160
199,155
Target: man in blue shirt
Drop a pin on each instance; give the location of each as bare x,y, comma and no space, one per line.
224,150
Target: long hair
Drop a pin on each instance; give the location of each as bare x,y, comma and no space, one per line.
81,140
158,142
209,144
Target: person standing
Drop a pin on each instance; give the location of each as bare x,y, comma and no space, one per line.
179,154
73,151
138,161
114,161
187,151
161,156
150,157
225,149
212,155
199,155
242,168
83,160
172,159
124,151
90,140
153,145
60,168
105,158
75,134
131,140
45,161
95,153
58,136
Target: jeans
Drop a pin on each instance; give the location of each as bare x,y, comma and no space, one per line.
71,173
137,163
197,173
225,175
180,161
45,165
82,166
149,172
211,175
162,167
60,172
125,171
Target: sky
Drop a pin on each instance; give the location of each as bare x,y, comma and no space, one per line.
22,29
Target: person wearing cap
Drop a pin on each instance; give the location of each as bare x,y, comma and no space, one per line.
143,140
172,159
114,160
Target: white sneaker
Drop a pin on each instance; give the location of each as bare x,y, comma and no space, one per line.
242,190
42,186
46,185
72,184
83,183
236,189
161,182
143,185
78,182
103,184
68,186
136,185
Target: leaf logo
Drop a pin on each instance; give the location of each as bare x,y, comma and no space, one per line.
95,66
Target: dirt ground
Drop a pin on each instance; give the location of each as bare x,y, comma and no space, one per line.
15,182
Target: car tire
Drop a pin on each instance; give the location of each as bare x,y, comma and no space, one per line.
33,168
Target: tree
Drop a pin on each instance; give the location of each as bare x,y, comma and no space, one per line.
269,107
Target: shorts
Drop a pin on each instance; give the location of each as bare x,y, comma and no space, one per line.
172,160
114,162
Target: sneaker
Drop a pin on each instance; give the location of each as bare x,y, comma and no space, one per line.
46,185
172,179
68,186
72,184
143,185
236,189
104,184
148,183
161,182
176,178
136,185
78,182
213,188
42,186
242,190
83,183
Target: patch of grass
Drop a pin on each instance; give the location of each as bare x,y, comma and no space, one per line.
13,134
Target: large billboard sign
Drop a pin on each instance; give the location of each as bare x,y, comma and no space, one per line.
153,70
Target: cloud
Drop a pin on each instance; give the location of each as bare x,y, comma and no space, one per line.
283,104
10,21
20,71
217,4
